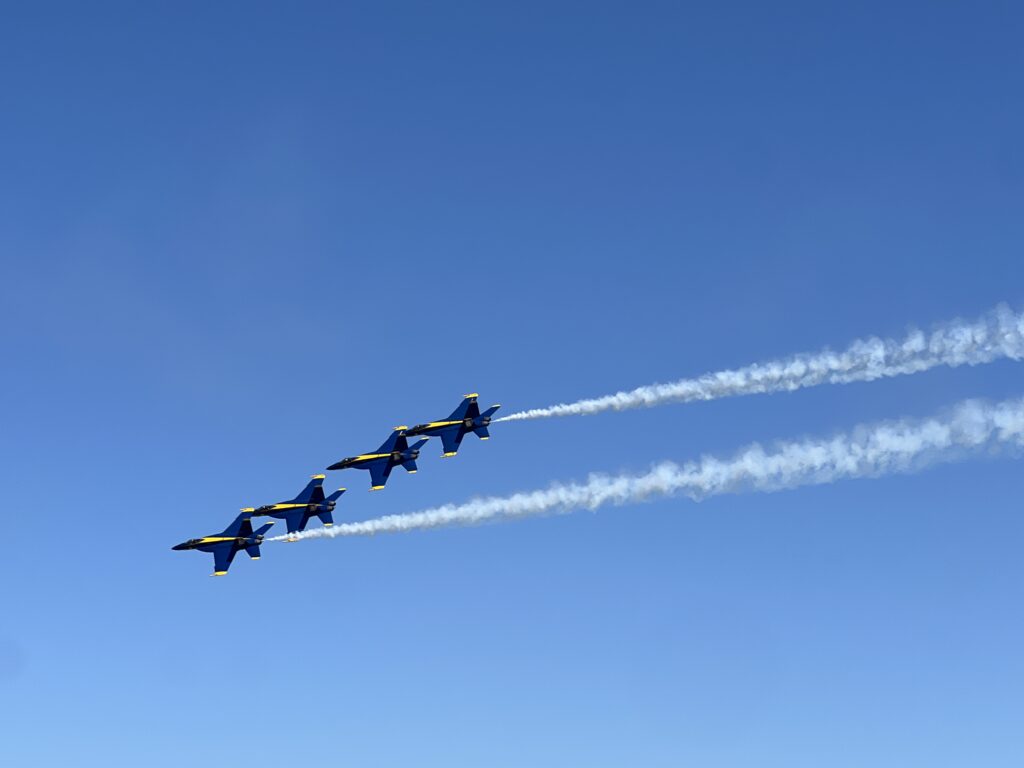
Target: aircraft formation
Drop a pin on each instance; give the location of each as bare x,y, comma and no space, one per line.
311,502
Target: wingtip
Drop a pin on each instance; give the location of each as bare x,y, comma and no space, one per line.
219,573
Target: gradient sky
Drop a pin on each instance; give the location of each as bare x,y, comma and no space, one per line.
240,241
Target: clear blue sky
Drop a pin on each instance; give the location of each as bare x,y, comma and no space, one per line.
240,242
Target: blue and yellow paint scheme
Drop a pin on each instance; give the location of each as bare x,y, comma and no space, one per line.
226,544
297,512
393,452
463,420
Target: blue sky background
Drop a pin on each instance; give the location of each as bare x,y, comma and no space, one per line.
241,241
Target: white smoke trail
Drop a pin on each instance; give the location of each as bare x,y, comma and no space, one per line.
997,334
867,451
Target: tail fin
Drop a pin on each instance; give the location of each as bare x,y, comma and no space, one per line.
336,495
490,411
262,530
253,551
410,466
419,444
309,491
482,433
326,518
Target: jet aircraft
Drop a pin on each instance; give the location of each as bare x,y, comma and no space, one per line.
463,420
226,544
392,452
308,504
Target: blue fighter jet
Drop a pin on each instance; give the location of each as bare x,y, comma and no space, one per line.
463,420
392,452
308,504
226,544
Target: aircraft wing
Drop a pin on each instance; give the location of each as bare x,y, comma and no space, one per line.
222,557
379,472
295,520
468,408
393,441
241,526
451,439
309,493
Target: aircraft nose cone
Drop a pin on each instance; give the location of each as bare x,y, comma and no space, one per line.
178,547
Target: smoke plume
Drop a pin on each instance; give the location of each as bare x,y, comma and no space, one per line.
866,451
997,334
